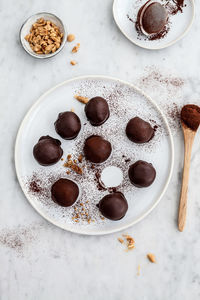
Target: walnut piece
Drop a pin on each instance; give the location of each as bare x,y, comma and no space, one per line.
45,37
151,257
81,99
76,48
73,62
70,37
121,240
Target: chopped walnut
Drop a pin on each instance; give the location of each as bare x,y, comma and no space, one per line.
130,241
70,37
80,158
72,164
81,99
45,37
76,48
151,257
73,62
121,240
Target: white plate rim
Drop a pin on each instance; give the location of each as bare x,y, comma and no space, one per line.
158,47
23,123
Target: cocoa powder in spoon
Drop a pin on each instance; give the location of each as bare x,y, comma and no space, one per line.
190,116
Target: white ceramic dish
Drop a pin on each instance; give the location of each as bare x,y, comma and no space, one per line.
25,29
125,15
40,121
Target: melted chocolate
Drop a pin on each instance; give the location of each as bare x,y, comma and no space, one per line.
152,18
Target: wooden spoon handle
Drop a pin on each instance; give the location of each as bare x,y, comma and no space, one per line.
189,138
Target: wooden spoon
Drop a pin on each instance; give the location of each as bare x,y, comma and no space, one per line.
190,120
188,141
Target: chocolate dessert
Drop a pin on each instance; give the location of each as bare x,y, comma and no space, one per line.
64,192
113,206
68,125
97,111
152,18
47,151
96,149
141,174
139,131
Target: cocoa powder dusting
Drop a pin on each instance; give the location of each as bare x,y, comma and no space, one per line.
190,116
175,6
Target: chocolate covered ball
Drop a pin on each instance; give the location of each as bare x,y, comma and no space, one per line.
97,111
139,131
152,18
64,192
47,151
142,174
68,125
113,206
96,149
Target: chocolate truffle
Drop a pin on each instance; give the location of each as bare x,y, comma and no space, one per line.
141,174
68,125
113,206
97,111
139,131
47,151
96,149
152,17
64,192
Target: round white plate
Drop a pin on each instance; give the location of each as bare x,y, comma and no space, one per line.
125,15
125,101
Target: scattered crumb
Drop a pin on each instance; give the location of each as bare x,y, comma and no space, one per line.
62,159
121,240
80,158
81,99
76,48
70,38
138,270
73,62
73,165
72,109
151,257
130,243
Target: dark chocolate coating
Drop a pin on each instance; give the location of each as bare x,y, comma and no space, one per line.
141,174
47,151
139,131
113,206
154,18
64,192
96,149
68,125
97,111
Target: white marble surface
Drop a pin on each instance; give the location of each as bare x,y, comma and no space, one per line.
52,263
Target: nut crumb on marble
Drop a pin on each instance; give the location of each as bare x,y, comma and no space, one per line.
151,257
81,99
138,270
121,240
130,241
76,48
73,62
70,38
72,109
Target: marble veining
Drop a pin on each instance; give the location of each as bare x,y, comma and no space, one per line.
40,261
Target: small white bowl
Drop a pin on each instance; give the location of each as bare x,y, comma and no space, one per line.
25,29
